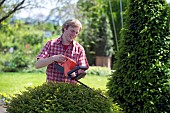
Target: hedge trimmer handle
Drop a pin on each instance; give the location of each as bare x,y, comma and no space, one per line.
78,76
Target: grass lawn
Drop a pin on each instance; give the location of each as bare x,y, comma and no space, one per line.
11,83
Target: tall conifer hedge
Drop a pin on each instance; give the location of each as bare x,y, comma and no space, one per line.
140,82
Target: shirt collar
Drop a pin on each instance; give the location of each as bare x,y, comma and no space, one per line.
59,41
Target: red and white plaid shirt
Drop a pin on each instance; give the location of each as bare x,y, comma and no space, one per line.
54,47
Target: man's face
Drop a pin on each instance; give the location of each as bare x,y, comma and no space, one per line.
71,33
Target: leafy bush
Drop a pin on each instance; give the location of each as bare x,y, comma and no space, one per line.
100,71
26,41
139,84
17,62
59,98
32,39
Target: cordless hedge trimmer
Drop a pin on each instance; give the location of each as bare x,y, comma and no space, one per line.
69,67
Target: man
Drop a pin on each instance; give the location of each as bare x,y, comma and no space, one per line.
58,49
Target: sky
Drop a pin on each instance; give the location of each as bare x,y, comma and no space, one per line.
44,11
38,11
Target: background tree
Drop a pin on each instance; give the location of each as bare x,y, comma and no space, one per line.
113,10
60,9
139,83
90,13
104,43
97,34
8,7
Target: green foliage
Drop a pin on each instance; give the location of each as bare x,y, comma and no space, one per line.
26,41
17,62
49,27
104,43
59,98
139,84
32,39
96,29
114,14
97,70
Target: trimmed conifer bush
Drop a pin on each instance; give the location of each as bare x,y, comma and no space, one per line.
140,82
59,98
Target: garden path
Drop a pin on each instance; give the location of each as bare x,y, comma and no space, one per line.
2,107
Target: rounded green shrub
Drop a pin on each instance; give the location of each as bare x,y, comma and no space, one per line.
140,83
59,98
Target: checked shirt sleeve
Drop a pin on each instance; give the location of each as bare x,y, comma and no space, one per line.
45,51
82,61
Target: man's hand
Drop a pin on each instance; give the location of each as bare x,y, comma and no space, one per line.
59,58
81,72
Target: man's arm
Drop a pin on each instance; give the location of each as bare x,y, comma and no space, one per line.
46,61
43,62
